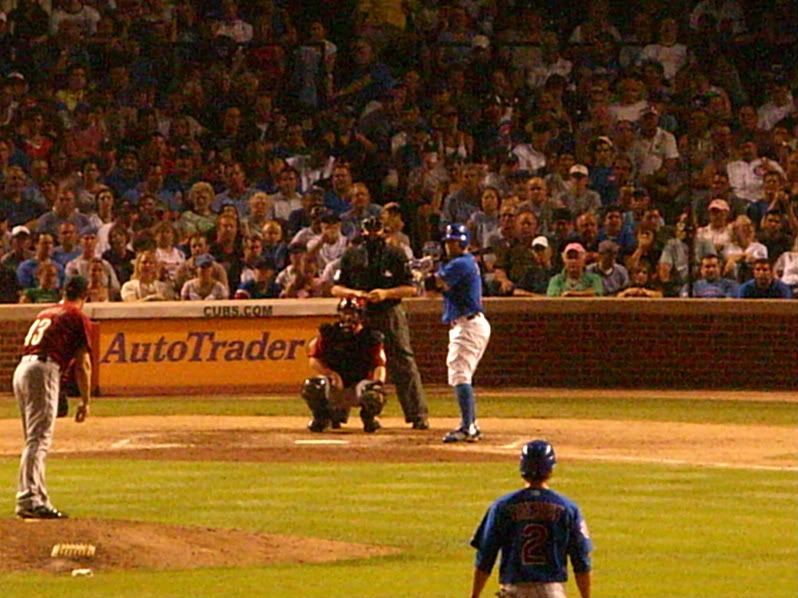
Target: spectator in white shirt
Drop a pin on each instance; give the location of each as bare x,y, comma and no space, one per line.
204,287
655,149
169,256
330,244
632,104
780,105
727,14
745,174
718,231
231,25
670,54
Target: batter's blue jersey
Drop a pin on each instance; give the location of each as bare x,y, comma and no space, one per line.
464,295
536,530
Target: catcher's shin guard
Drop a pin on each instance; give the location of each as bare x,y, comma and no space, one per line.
316,393
372,397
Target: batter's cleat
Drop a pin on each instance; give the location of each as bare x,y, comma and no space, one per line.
318,425
420,423
470,434
41,512
371,425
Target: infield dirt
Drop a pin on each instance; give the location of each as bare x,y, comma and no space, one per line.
128,545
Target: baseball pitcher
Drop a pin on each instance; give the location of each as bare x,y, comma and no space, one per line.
59,335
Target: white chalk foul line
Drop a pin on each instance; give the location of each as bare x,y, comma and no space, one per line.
717,464
631,459
121,443
514,445
321,442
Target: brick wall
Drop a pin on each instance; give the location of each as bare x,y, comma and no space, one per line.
625,344
586,343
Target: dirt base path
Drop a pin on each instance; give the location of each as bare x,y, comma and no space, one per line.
286,439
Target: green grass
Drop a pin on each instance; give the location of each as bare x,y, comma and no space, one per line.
659,531
442,405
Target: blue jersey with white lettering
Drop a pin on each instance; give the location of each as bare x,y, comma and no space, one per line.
464,295
536,530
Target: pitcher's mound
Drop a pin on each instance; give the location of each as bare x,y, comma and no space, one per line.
119,545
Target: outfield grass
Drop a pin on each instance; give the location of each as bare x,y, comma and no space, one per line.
659,531
443,405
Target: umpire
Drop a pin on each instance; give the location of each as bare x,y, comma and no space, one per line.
380,273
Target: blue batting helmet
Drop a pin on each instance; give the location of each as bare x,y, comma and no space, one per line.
537,459
457,232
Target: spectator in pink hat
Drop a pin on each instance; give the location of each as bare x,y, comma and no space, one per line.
718,231
573,281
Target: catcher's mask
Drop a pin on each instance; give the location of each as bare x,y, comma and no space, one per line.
351,312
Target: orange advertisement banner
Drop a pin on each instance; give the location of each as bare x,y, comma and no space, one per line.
204,354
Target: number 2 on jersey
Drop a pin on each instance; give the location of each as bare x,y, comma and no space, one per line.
36,332
533,549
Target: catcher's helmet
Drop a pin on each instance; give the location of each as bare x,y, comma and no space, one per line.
457,232
371,226
537,459
352,306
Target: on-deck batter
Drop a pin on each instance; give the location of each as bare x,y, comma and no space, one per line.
537,530
469,329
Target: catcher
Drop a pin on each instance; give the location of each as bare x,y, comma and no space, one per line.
350,360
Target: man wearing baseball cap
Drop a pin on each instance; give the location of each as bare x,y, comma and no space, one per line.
573,281
613,275
718,231
579,199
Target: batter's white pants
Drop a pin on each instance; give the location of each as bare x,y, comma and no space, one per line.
36,386
467,342
532,590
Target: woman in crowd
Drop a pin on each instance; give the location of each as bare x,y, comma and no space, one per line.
144,284
204,286
198,218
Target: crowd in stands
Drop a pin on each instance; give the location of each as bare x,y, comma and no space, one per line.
189,150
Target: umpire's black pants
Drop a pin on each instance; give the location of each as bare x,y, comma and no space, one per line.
402,368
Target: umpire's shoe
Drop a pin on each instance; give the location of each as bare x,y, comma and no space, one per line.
318,425
470,434
420,423
370,424
41,512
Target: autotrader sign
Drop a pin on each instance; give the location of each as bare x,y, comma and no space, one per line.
136,355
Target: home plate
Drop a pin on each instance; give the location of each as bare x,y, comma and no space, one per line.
321,442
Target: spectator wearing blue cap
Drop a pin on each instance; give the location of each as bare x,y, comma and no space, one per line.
262,285
204,287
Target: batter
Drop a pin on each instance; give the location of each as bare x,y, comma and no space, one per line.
469,329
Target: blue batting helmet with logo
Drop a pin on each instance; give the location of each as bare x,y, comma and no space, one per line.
537,459
457,232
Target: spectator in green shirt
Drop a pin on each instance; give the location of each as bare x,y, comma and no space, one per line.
573,281
47,290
